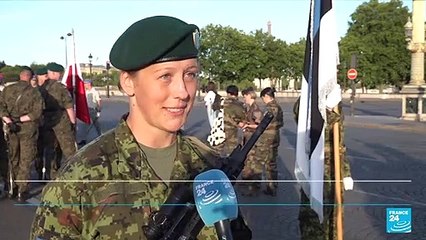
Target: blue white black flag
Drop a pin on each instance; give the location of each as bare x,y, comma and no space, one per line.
319,81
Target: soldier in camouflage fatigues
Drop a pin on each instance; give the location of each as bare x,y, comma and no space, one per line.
234,118
3,158
75,208
271,140
309,224
49,153
111,186
253,167
21,105
58,116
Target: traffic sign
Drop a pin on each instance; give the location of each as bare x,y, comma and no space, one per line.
352,74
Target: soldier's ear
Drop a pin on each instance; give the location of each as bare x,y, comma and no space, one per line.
126,84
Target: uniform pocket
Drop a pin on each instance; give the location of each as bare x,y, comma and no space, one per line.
120,210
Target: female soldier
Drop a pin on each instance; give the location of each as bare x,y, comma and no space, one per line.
110,187
253,165
271,139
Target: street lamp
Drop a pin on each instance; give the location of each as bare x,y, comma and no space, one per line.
413,94
107,67
90,65
66,46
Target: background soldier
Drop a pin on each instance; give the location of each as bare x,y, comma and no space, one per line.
20,108
270,139
49,153
3,155
253,165
234,118
309,224
59,113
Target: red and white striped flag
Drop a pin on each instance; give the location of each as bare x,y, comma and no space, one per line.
73,80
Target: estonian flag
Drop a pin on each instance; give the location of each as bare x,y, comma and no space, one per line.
319,84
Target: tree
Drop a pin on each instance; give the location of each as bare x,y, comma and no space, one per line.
376,37
224,53
296,53
2,64
10,73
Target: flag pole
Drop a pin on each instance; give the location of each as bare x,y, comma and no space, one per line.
74,63
338,182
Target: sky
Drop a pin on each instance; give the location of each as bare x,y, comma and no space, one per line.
30,31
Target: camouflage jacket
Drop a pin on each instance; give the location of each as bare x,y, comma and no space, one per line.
108,189
234,113
57,98
21,99
253,115
271,136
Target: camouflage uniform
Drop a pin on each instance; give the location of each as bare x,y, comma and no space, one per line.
309,224
253,165
48,147
3,159
77,210
234,113
269,143
57,100
18,100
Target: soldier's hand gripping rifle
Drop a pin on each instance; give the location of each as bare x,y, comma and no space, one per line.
177,218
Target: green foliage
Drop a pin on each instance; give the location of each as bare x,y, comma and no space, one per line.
376,37
2,64
10,73
100,80
229,56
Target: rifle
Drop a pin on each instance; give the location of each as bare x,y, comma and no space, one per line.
177,218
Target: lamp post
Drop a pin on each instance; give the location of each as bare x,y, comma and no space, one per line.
90,65
66,46
107,66
413,93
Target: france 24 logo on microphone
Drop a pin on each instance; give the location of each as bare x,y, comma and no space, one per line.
214,197
398,220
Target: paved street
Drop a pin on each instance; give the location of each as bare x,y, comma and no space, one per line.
381,149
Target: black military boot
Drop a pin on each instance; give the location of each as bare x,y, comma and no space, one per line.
22,197
272,191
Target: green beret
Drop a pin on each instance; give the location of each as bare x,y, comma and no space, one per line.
152,40
26,68
41,71
54,67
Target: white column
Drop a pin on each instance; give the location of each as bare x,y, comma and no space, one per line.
418,42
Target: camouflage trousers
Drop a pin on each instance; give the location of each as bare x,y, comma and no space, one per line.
22,151
226,148
309,224
253,166
270,163
66,137
48,149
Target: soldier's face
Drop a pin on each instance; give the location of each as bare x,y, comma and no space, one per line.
164,93
246,98
53,75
